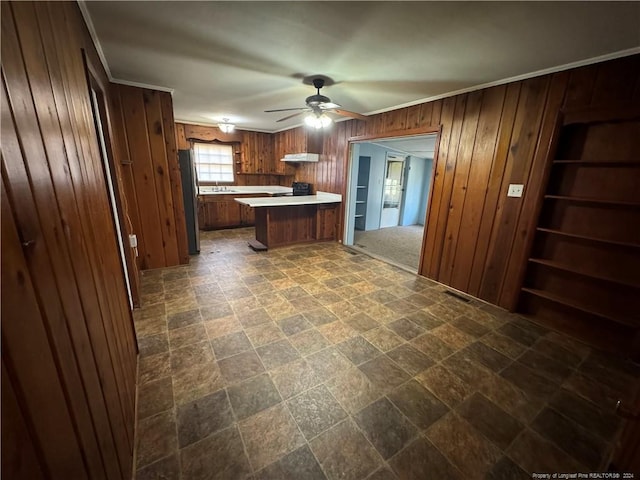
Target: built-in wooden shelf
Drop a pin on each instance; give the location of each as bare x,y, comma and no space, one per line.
575,304
587,237
578,271
593,200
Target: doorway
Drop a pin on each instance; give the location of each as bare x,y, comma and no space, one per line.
387,198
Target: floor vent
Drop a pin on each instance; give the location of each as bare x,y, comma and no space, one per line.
456,295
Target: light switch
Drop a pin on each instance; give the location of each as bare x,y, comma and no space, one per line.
515,190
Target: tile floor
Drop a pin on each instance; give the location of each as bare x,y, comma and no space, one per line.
312,362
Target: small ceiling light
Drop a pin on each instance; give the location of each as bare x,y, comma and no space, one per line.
226,127
318,121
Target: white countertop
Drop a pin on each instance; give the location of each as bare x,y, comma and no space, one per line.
231,189
320,197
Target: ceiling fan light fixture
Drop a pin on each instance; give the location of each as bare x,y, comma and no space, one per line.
225,126
318,121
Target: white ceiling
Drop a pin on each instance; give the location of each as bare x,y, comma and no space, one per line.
236,59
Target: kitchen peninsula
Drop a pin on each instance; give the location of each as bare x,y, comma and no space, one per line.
288,220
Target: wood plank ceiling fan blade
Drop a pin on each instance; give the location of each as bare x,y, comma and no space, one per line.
285,109
347,113
290,116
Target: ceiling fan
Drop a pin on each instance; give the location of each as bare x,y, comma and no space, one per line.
318,105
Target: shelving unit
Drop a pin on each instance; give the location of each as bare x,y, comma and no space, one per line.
362,192
583,271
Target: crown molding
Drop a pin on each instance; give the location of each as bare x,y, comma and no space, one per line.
517,78
142,85
94,36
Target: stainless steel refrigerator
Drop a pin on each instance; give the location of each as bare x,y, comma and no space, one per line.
190,196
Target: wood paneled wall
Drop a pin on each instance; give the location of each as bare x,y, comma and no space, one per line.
256,163
477,238
150,173
68,346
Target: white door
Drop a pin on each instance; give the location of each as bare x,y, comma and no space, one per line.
392,191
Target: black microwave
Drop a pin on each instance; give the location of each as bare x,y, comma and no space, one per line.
301,188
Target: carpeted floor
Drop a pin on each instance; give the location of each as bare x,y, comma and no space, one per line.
399,245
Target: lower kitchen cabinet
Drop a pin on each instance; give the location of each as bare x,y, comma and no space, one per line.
222,211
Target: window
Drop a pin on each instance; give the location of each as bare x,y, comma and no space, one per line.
214,162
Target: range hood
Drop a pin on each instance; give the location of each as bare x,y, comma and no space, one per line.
300,157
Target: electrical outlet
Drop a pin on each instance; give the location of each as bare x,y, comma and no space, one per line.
515,190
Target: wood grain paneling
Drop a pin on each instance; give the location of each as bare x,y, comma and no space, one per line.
151,177
477,239
256,160
68,347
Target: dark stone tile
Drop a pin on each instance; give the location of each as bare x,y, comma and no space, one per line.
154,367
361,322
410,359
165,469
299,464
472,372
305,303
253,396
197,382
604,371
510,398
182,337
295,324
183,319
315,411
328,363
586,414
470,326
383,373
294,292
535,454
229,460
419,300
320,316
156,438
231,344
202,417
385,427
448,387
190,356
353,389
241,366
294,378
524,337
155,397
309,341
546,367
579,443
432,347
424,320
383,339
278,353
383,474
269,435
557,352
401,306
529,381
452,336
503,344
213,312
530,326
254,317
152,344
418,404
358,350
463,445
345,453
496,424
405,328
264,333
505,469
422,460
382,296
479,353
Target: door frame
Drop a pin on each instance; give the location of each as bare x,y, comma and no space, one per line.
410,132
402,175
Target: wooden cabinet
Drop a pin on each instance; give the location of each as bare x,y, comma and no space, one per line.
583,269
222,211
326,217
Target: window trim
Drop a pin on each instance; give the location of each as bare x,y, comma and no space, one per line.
208,183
